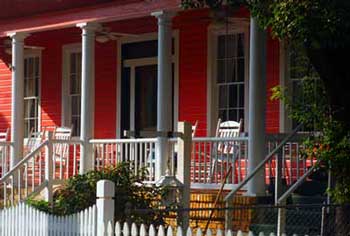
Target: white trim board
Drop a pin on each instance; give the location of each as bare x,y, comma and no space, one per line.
65,111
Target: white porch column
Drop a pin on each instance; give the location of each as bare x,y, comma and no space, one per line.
257,103
17,106
87,94
164,101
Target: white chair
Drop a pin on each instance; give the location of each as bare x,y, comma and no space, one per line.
34,140
61,150
225,152
4,150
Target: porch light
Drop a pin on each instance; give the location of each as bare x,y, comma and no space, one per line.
173,189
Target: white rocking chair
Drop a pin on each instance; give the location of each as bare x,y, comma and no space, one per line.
227,151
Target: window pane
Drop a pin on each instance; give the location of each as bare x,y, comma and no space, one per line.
240,45
233,96
223,115
75,105
223,96
221,71
30,72
241,95
230,70
240,70
233,115
72,63
36,67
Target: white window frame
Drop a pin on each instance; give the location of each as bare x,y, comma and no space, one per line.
286,123
66,104
214,31
28,53
153,60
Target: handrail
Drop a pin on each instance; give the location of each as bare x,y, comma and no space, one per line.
262,164
296,184
217,139
66,141
138,140
24,160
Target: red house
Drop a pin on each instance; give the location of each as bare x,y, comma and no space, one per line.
105,66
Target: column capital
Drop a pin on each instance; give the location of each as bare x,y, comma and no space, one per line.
90,26
164,14
20,36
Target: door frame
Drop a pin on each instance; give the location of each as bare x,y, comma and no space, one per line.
145,61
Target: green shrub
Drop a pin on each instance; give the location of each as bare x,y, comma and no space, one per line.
79,193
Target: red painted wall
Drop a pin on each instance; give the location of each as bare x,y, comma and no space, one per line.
273,79
193,69
192,72
5,90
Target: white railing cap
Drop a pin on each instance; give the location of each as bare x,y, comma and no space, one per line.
105,189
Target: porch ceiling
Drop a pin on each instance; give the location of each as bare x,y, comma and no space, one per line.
107,10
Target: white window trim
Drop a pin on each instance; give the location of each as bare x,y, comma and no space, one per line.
66,51
36,53
214,30
141,38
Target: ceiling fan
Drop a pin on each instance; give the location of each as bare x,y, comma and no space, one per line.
104,34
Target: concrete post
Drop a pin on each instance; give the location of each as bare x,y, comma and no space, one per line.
87,94
105,192
257,101
164,101
183,168
48,168
17,106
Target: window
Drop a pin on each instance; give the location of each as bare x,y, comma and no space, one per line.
299,68
228,72
31,94
230,76
75,91
71,87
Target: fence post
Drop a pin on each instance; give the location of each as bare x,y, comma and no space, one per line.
105,192
48,168
183,168
281,220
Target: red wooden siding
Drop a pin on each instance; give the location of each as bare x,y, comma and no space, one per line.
273,77
5,90
105,89
193,70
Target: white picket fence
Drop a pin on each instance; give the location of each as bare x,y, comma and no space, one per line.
25,220
143,230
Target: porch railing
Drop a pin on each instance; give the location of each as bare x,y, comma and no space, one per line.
212,157
209,164
139,153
